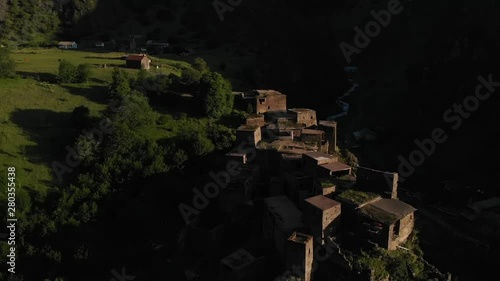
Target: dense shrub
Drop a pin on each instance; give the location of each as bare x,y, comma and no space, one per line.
216,94
7,64
69,73
83,73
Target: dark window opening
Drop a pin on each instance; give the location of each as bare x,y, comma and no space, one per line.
395,230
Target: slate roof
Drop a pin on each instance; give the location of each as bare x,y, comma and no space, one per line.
387,211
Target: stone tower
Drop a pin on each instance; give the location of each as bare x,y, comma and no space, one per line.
300,256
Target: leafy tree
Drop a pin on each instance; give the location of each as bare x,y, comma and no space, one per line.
190,76
134,112
200,144
142,75
83,73
399,264
67,72
27,22
179,158
221,136
200,65
216,94
127,154
195,141
81,116
163,83
7,64
120,83
87,149
141,82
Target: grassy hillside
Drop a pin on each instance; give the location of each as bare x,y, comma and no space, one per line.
35,115
43,63
36,127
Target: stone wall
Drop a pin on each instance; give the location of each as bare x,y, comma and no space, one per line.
248,136
383,183
331,221
304,116
300,254
270,103
255,120
405,229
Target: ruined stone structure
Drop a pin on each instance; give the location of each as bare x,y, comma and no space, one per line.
300,255
316,137
264,101
336,169
322,215
387,222
381,182
324,186
314,159
330,129
298,186
310,197
250,135
237,156
304,116
281,219
255,120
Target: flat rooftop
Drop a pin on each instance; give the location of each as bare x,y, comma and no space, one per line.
283,125
335,167
248,128
263,93
238,259
283,146
319,156
254,116
322,202
311,132
299,110
292,154
387,211
327,123
285,213
357,197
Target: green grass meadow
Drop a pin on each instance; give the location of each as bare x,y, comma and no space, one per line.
35,112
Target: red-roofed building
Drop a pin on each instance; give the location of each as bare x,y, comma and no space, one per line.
138,61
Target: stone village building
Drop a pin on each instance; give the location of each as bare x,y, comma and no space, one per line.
303,196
